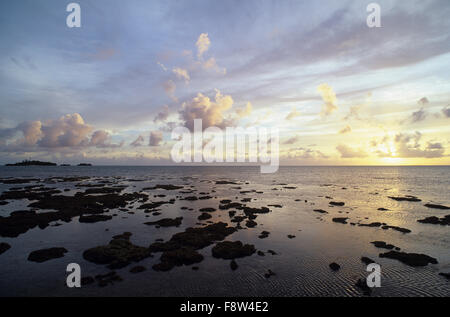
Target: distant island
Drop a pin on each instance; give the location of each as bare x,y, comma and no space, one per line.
85,164
65,165
32,163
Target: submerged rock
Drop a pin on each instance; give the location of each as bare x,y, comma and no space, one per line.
166,222
137,269
269,273
233,265
43,255
120,252
232,250
264,234
411,259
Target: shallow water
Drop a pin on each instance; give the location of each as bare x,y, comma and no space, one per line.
301,265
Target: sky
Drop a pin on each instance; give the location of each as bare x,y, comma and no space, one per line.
111,91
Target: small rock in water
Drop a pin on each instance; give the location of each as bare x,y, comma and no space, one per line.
334,266
269,273
233,265
43,255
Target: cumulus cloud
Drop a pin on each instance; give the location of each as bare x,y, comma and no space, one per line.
202,44
181,74
345,130
293,114
138,142
305,153
419,115
329,97
245,112
66,132
156,138
424,101
349,152
162,115
212,112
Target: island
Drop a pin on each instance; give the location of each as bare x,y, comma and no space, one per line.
65,165
32,163
85,164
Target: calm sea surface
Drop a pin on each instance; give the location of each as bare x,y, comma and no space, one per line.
301,264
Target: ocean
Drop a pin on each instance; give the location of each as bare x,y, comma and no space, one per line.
301,261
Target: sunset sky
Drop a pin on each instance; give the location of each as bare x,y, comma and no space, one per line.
340,93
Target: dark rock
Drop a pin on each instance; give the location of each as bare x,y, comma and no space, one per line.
383,245
165,187
445,221
251,224
434,206
406,198
403,230
334,266
340,220
4,247
119,253
290,236
204,216
43,255
411,259
383,209
362,284
269,274
260,253
166,222
232,250
233,265
196,238
335,203
264,235
272,252
446,275
226,183
207,210
178,257
321,211
94,218
367,260
372,225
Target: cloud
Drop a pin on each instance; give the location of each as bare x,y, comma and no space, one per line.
293,114
202,44
446,111
212,112
245,112
138,142
162,115
169,88
345,130
419,115
181,74
305,153
329,97
69,131
424,101
348,152
292,140
407,145
156,138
